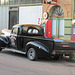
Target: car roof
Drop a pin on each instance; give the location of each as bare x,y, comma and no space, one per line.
18,25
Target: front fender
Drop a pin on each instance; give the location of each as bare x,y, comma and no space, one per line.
37,45
3,41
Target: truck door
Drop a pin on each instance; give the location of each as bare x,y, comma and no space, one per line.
47,24
14,38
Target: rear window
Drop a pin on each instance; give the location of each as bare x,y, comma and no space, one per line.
32,30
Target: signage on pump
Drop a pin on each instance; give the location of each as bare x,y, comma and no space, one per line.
45,15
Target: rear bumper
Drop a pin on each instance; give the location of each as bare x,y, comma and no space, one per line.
64,52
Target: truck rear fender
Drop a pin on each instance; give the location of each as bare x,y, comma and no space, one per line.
37,45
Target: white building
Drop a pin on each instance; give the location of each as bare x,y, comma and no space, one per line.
20,12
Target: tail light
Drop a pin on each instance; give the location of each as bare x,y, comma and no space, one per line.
74,53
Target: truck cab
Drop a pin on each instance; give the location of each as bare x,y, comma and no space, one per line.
19,31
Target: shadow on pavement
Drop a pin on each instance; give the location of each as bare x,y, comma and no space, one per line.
48,59
13,53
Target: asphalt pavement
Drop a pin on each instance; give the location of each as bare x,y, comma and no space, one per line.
18,64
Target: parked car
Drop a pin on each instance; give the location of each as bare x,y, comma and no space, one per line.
29,39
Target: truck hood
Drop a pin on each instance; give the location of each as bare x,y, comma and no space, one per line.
6,32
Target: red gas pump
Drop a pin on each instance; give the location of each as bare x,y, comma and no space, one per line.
47,24
73,30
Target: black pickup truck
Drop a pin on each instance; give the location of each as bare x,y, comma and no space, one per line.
29,39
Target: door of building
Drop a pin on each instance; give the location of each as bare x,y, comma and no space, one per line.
58,28
57,16
13,16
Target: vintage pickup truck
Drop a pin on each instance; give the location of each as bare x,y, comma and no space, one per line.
29,39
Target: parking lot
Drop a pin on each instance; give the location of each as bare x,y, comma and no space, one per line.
18,64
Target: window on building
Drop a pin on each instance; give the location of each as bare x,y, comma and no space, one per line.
73,29
11,2
74,9
22,1
4,2
17,2
30,1
57,11
14,2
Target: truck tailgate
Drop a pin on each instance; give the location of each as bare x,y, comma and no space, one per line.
64,46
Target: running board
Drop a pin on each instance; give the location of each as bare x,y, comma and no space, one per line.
13,50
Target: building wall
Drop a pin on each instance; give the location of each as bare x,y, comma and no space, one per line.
66,5
30,14
4,12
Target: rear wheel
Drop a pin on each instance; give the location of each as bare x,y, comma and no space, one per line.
32,54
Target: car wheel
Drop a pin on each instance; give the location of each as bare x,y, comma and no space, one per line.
32,54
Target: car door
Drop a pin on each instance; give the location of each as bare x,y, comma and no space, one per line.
14,37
